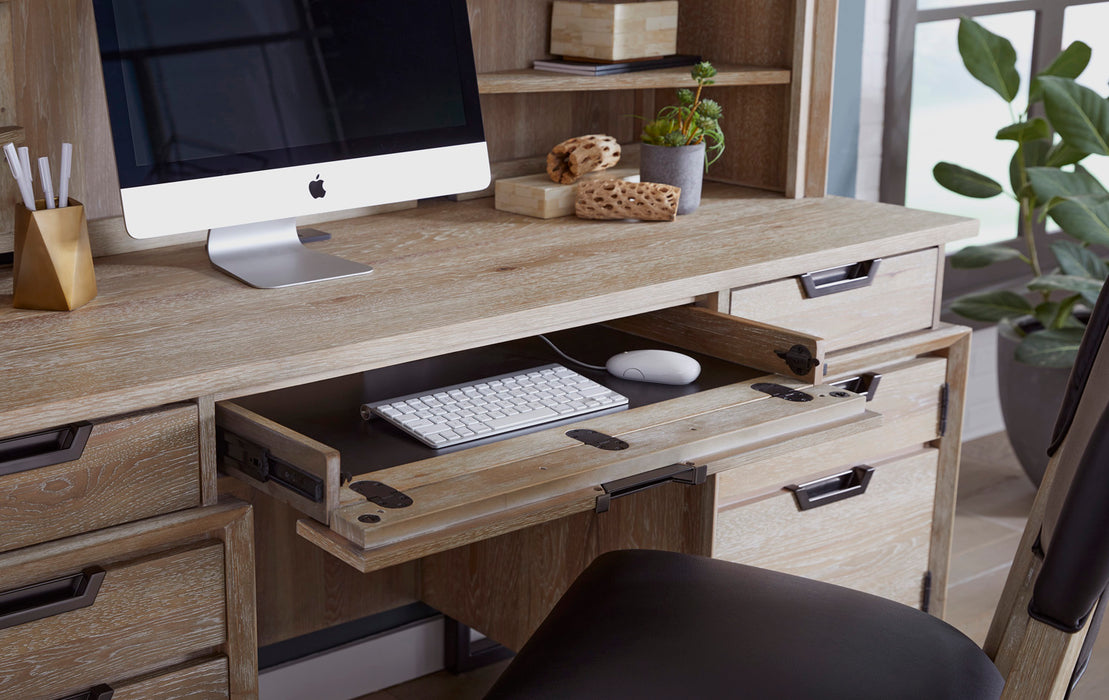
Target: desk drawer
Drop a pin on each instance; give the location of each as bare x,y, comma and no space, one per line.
161,594
908,396
899,297
97,622
876,542
90,476
195,681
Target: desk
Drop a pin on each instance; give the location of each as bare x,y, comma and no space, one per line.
170,343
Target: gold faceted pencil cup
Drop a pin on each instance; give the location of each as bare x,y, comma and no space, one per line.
53,260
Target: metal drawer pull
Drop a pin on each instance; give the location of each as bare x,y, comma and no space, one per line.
42,449
863,384
49,598
97,692
834,488
681,473
839,279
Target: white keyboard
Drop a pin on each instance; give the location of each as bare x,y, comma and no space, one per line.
489,407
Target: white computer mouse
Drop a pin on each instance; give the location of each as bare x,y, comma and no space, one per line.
657,366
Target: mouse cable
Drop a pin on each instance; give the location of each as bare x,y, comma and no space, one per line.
567,357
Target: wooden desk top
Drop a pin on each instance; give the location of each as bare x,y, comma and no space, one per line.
167,326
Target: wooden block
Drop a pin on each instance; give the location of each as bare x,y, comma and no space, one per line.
536,195
614,31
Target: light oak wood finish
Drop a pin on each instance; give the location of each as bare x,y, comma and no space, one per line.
309,456
197,681
1045,662
899,300
529,80
162,609
132,467
494,275
876,542
907,399
723,335
452,489
506,585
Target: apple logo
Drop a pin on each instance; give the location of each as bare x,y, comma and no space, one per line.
316,188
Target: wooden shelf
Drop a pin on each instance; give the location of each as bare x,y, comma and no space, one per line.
529,80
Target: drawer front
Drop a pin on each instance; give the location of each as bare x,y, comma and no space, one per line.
907,395
131,467
899,299
876,542
128,619
197,681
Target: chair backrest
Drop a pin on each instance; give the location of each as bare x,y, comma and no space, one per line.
1062,565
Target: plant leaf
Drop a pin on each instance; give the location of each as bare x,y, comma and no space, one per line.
1025,131
1088,288
991,306
989,58
966,182
1034,154
1078,260
1068,64
1050,348
1062,154
1079,114
982,255
1082,204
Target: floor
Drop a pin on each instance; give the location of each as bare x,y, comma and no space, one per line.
994,498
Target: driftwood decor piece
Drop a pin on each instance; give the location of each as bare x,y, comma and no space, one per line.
619,199
575,157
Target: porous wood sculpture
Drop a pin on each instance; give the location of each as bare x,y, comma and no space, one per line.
620,199
575,157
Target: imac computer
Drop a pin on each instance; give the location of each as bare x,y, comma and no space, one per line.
238,116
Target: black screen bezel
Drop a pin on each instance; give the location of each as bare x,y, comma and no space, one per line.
132,175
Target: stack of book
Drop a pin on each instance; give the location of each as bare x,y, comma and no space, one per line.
578,67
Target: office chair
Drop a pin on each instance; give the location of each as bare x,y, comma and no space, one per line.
649,624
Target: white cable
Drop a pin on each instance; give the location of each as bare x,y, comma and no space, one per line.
568,358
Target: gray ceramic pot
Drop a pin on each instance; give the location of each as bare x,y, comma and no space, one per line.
681,166
1030,400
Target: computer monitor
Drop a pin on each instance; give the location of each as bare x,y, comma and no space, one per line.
238,116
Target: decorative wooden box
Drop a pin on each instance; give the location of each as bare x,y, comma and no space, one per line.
614,31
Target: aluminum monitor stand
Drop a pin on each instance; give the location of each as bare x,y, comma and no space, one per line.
269,255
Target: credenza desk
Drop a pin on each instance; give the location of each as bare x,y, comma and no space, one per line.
177,375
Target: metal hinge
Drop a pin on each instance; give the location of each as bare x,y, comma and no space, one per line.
945,392
926,592
256,462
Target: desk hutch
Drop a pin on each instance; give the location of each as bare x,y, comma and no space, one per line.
164,370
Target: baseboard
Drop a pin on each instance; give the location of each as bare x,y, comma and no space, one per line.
359,668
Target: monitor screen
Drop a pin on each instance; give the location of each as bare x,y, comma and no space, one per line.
231,112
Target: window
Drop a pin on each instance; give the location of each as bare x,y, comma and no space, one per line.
936,111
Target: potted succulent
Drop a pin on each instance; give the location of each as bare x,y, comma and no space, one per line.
683,140
1041,325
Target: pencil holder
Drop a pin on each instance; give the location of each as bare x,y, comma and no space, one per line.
53,260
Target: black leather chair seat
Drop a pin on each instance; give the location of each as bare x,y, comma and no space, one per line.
649,624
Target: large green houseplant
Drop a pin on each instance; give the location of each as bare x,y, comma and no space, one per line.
1040,324
1046,180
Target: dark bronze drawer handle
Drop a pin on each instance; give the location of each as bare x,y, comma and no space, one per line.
49,598
681,473
839,279
834,488
97,692
42,449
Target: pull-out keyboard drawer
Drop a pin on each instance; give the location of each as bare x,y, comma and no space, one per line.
373,510
92,475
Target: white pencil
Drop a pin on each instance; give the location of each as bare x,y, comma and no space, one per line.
47,183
